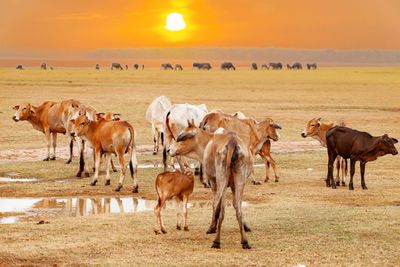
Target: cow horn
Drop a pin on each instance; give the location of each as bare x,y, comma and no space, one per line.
395,141
319,119
117,114
275,125
100,113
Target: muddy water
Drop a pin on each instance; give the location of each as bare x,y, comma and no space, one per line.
9,179
14,210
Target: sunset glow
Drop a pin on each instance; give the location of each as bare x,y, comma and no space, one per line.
175,22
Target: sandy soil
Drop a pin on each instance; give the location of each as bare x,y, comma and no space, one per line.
30,155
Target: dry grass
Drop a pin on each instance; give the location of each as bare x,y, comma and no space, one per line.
295,221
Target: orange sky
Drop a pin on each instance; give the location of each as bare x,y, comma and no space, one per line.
88,25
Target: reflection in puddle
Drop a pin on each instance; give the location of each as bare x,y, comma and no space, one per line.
9,179
13,210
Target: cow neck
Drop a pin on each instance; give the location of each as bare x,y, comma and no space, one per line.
35,120
321,136
202,138
92,128
373,151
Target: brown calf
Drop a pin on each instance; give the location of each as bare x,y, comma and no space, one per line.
109,137
169,185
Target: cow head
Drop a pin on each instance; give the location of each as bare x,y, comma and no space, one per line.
271,129
312,128
24,111
81,126
386,144
186,141
75,109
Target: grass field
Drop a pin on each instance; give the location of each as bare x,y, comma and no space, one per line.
295,221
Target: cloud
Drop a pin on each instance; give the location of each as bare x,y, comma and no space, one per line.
78,16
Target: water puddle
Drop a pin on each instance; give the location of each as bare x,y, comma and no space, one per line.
15,210
9,179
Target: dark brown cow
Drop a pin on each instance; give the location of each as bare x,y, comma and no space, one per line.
356,146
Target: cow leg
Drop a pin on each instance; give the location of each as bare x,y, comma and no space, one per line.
213,226
181,166
71,148
253,178
123,170
134,165
108,158
343,171
220,213
84,147
338,170
185,163
273,164
237,193
112,165
185,201
97,157
155,139
352,171
178,213
362,170
266,163
331,160
203,178
54,135
47,135
235,203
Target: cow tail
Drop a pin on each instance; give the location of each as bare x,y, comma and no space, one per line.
158,193
345,167
162,138
166,129
132,143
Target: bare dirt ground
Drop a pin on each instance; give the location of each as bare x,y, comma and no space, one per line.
31,155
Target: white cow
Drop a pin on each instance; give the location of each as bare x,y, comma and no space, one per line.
154,115
176,120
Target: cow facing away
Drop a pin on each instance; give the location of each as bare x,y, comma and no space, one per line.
154,115
109,137
173,185
116,65
227,66
356,146
317,130
254,66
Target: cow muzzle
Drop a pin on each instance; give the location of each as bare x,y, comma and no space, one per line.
73,134
395,152
15,118
172,152
303,134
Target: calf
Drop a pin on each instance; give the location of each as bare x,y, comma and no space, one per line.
317,130
109,137
356,146
227,163
169,185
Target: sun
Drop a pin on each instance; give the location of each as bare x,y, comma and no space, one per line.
175,22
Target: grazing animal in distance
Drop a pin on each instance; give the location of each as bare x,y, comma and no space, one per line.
154,115
178,67
97,66
43,66
173,185
356,146
19,67
126,66
166,66
227,163
136,66
275,66
312,66
227,66
317,130
254,66
116,65
109,137
265,66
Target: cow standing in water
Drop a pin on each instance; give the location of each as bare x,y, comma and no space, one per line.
356,146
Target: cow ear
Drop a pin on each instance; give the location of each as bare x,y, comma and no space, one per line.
395,141
88,122
117,114
185,135
99,115
319,121
72,121
189,123
33,112
117,119
16,107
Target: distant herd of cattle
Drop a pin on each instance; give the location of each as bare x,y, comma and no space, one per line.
200,66
223,144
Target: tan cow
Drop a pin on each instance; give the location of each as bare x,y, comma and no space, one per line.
212,121
109,137
39,118
227,163
173,185
317,130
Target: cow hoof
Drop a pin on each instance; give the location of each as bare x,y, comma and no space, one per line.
68,161
107,182
117,189
135,189
276,180
343,184
255,183
93,183
114,170
186,228
157,232
53,158
178,227
79,174
163,231
364,187
196,171
206,185
246,228
246,245
337,183
216,244
93,168
333,186
154,153
87,174
351,187
211,231
46,159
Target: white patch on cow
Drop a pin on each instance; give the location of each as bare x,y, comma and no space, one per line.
16,116
309,169
279,137
220,131
303,132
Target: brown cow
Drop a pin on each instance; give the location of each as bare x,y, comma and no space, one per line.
38,117
317,130
169,185
356,146
227,163
109,137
